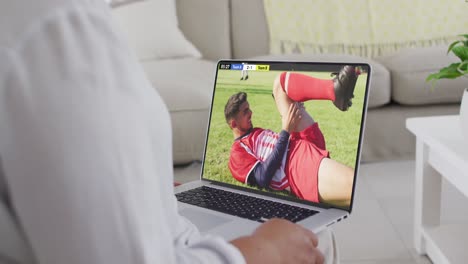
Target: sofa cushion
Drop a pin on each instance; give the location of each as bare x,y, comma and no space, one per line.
409,69
387,137
186,86
152,30
379,91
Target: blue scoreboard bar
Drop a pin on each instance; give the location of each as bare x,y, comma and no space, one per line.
236,66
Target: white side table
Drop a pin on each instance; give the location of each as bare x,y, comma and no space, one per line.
440,152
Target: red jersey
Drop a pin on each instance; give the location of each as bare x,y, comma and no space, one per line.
252,148
306,149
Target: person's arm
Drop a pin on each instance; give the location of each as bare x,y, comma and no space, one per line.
194,248
264,171
118,3
86,152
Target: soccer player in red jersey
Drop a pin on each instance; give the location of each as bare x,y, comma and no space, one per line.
296,159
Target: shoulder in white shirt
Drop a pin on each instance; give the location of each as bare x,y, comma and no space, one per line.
85,143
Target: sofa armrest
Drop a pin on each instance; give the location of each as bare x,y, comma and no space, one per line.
206,23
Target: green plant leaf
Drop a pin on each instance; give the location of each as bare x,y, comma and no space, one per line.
454,70
449,72
463,67
465,41
453,45
461,52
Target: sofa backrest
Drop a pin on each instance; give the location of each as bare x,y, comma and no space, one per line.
206,23
220,29
249,25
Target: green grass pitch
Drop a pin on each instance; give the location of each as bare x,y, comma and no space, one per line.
340,129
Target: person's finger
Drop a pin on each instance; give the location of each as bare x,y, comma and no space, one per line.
289,114
296,109
291,108
319,258
311,236
298,114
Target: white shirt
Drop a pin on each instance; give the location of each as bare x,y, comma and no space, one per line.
85,143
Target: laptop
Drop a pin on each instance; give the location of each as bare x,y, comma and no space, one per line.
252,172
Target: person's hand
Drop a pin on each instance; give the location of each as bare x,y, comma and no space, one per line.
293,243
292,118
280,241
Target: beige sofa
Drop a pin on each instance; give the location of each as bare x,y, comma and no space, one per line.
223,29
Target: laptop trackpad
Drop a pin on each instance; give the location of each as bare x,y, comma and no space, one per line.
203,220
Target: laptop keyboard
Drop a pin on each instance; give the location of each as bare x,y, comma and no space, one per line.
244,206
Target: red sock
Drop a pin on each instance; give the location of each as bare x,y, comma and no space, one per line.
302,87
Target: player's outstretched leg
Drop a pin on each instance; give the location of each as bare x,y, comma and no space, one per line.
335,182
300,87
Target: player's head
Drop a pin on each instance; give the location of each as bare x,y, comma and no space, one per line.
237,112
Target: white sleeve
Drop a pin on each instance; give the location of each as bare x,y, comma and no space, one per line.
117,3
203,248
86,150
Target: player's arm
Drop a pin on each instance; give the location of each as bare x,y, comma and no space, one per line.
263,172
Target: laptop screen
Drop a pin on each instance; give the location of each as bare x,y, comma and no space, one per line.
288,129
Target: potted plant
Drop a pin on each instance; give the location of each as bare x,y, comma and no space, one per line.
457,70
